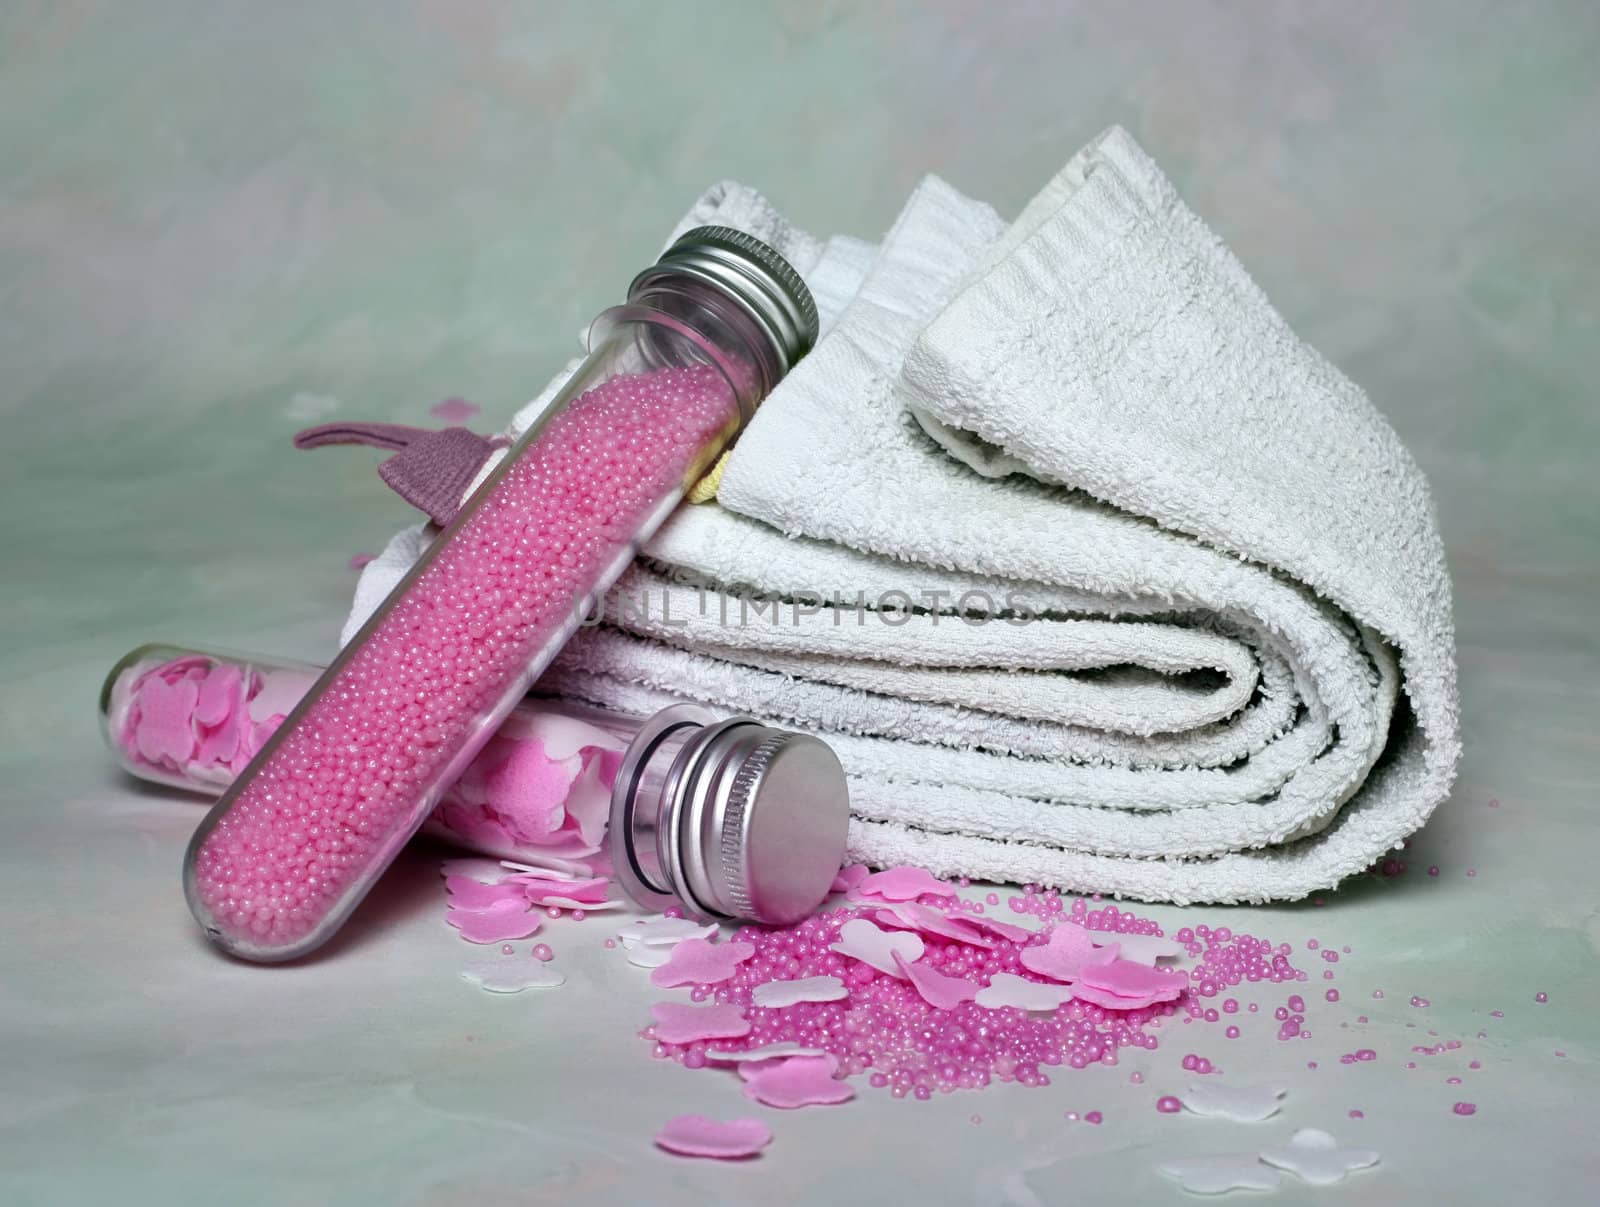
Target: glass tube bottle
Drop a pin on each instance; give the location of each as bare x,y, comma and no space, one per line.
722,816
356,767
537,793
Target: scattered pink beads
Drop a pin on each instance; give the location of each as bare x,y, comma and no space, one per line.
887,1029
341,793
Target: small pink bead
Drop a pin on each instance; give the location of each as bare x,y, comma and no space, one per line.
1465,1108
1168,1105
542,952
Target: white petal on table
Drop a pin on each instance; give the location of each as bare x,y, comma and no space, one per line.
791,993
662,931
1008,989
588,907
1222,1173
641,955
1240,1103
513,975
861,940
1315,1157
1143,949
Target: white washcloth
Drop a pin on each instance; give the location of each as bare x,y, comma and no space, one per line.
1218,662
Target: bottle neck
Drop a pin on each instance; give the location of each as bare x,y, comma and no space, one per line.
722,326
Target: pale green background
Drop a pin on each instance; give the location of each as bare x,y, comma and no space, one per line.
221,221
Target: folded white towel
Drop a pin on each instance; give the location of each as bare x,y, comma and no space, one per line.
1217,662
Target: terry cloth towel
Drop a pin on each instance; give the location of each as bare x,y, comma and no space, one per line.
1090,570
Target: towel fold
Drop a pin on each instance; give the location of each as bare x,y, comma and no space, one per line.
1092,572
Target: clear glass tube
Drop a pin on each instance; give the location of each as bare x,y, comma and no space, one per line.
537,793
359,763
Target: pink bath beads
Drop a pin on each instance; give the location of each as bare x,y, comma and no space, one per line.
333,797
700,1136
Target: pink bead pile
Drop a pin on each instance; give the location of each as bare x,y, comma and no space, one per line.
885,1029
346,788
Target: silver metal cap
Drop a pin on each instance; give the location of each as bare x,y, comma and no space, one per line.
730,818
748,270
783,828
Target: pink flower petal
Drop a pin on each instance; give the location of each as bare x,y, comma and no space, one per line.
909,915
797,1081
1017,934
676,1023
1111,1001
589,801
1008,989
219,695
219,745
701,962
469,895
900,884
1063,956
507,920
543,890
1128,979
190,666
563,847
939,991
164,731
472,867
699,1136
778,995
848,877
861,940
454,411
528,789
472,826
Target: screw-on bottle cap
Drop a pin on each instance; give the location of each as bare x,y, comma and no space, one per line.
729,818
752,273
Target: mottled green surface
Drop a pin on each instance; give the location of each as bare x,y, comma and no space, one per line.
219,222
